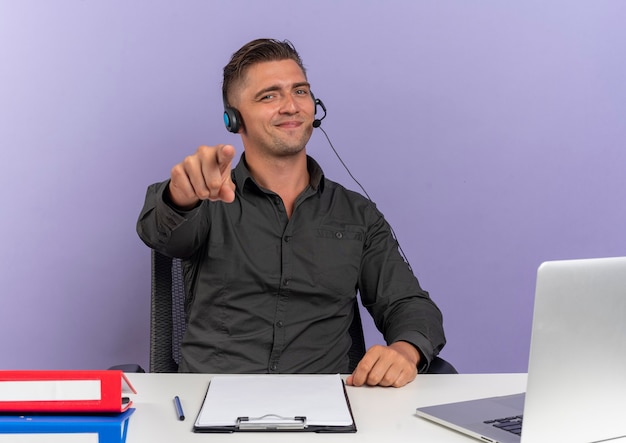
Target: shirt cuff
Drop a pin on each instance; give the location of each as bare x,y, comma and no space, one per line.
171,216
423,346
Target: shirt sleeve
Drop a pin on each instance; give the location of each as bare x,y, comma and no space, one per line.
389,290
172,232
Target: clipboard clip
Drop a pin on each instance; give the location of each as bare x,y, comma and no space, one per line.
270,422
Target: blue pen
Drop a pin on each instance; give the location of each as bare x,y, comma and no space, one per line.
179,408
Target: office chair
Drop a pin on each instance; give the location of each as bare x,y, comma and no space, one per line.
167,320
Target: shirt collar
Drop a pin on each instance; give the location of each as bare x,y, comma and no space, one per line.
241,174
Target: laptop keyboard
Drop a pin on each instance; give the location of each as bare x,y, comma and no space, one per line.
511,424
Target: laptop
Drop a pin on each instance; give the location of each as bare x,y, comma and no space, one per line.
576,388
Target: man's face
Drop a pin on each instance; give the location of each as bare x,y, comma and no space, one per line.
277,108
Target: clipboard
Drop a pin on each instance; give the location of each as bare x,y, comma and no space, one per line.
276,403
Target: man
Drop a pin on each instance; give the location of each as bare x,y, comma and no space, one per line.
274,252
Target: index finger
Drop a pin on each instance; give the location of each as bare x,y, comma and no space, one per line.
363,369
225,155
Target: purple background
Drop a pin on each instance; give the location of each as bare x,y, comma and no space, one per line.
492,135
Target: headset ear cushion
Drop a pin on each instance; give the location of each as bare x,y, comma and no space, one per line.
232,119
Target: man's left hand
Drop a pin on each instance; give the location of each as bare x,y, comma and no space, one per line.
394,365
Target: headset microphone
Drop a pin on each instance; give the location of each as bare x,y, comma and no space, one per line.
318,121
234,122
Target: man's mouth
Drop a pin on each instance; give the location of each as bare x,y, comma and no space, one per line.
291,124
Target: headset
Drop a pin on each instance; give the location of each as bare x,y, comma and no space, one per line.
234,122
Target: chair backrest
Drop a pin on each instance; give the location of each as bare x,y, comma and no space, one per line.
167,320
167,313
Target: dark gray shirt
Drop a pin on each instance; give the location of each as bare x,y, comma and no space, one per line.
273,294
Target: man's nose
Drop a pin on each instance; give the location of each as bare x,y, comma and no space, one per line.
289,105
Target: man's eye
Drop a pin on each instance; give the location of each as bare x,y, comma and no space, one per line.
301,91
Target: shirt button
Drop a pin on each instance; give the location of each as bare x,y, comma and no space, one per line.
280,324
287,238
338,235
286,282
274,367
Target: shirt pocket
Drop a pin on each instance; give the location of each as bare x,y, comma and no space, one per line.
338,252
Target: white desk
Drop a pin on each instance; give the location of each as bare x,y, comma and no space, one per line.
381,414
